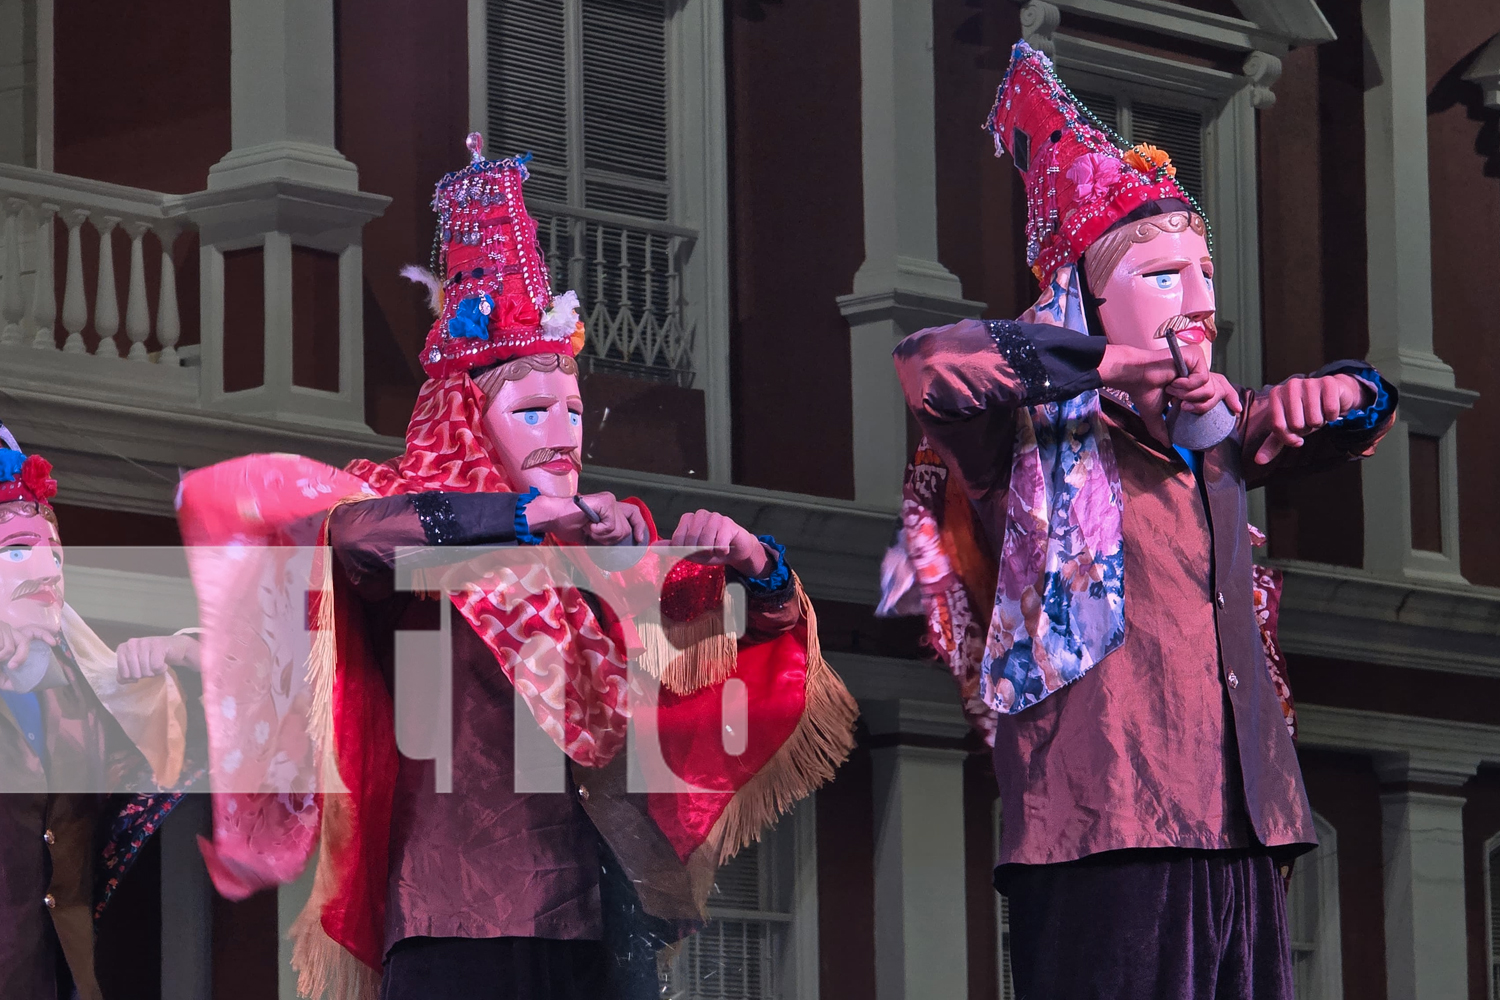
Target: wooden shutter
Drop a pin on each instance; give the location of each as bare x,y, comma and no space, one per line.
1177,130
528,90
1104,106
625,138
1493,890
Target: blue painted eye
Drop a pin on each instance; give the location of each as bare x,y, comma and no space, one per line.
575,418
19,554
531,417
1165,280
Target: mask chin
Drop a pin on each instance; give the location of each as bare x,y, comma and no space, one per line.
25,678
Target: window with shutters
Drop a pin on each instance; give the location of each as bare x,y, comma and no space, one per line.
620,104
1178,130
1002,921
1312,909
1492,912
1204,118
760,943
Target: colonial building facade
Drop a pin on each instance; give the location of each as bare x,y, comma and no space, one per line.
202,216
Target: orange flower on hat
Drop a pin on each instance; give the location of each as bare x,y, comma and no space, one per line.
1149,159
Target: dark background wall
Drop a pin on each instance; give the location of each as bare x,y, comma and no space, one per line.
1463,155
797,238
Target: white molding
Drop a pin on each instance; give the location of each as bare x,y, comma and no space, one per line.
834,545
1426,932
1352,614
917,718
804,966
1405,747
1145,74
1267,25
1491,957
901,285
152,602
1321,869
1485,71
1398,222
479,90
697,107
46,85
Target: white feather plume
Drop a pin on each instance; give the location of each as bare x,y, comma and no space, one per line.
421,276
560,321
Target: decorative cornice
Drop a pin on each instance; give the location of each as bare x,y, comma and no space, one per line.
1485,71
834,545
1348,614
1406,748
1263,70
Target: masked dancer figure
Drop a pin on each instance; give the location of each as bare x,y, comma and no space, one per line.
487,890
74,726
1075,525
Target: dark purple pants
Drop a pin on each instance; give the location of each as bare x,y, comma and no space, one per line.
1149,925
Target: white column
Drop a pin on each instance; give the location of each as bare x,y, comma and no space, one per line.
290,900
186,903
281,89
1398,227
283,185
1426,929
921,921
900,287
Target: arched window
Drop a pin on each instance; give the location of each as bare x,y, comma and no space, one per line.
1312,907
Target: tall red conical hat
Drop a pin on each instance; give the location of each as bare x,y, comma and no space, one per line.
1080,176
491,290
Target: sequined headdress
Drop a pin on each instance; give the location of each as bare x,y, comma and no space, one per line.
1080,176
23,477
489,285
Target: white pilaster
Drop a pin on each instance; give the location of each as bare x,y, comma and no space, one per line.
290,901
900,287
1398,228
1426,927
281,89
186,903
921,925
282,185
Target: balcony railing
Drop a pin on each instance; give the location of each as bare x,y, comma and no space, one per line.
30,286
628,273
117,327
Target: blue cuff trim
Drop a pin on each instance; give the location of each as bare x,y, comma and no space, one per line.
1365,418
779,575
523,527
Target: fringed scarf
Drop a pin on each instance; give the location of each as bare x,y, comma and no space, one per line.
329,726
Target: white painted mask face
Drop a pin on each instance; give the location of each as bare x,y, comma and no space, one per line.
31,586
1169,277
535,424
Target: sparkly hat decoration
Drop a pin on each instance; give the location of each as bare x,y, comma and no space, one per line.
1081,177
23,477
489,286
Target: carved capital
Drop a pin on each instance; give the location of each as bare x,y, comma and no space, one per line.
1263,70
1039,20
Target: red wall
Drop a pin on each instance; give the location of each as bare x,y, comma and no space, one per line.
403,112
141,100
1463,154
1313,285
797,237
981,209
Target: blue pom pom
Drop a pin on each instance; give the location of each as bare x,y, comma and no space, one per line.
10,465
472,318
